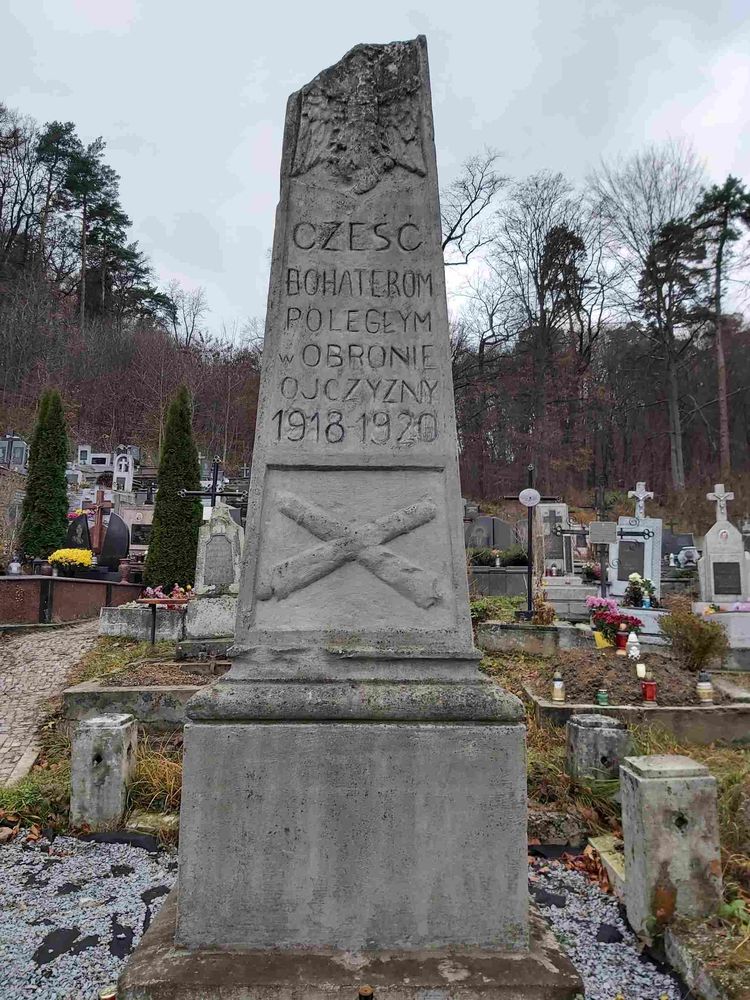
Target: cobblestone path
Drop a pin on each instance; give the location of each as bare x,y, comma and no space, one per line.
33,667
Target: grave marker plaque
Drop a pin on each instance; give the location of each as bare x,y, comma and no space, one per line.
727,578
354,659
630,559
218,568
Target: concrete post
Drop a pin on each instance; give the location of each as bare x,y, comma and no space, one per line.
595,746
671,832
103,762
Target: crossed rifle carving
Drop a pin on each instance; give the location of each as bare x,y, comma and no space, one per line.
362,543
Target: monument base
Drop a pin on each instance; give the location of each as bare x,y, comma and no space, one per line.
158,970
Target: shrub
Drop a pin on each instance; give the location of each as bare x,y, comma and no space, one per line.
174,534
514,556
695,641
493,608
45,507
481,557
543,611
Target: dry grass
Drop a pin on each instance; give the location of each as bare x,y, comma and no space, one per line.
111,654
158,778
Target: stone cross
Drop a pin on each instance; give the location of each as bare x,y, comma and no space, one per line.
720,496
641,495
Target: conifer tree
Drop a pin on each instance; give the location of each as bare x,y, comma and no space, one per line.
45,506
174,535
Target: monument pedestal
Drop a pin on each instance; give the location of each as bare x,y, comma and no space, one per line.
159,970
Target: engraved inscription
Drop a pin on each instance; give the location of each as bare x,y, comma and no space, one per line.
218,568
361,543
727,578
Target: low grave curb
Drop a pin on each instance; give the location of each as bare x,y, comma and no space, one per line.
158,708
699,724
544,640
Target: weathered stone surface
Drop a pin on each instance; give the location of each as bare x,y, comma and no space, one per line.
596,744
155,707
363,836
211,617
160,971
134,622
671,834
219,555
102,763
330,799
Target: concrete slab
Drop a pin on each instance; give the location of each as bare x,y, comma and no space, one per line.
158,970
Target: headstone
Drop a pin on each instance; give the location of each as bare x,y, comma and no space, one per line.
638,547
219,555
671,544
558,549
671,835
213,613
124,470
332,777
503,535
745,531
478,532
116,543
78,536
724,566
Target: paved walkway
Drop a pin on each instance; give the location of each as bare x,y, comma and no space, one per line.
33,667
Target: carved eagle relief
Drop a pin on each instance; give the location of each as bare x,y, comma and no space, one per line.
363,116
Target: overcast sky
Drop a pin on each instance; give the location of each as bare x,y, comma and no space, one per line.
190,95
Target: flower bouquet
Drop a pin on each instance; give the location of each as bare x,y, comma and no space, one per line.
70,559
176,593
610,624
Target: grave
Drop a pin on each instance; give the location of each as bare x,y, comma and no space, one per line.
724,566
211,615
354,800
558,549
485,531
638,546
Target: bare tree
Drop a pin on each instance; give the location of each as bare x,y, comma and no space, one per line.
638,199
463,207
188,309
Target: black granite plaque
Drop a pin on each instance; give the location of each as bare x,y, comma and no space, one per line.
629,559
727,578
116,543
78,536
218,568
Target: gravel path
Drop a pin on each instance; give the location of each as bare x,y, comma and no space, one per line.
33,667
599,943
71,912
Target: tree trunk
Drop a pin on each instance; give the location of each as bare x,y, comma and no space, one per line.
675,428
84,222
721,367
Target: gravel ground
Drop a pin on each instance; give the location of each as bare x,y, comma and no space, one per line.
72,911
602,947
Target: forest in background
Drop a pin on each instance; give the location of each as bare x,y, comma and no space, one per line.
597,329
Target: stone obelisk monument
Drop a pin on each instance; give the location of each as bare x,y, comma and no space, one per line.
354,803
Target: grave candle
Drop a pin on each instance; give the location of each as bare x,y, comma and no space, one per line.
704,688
558,687
648,689
640,671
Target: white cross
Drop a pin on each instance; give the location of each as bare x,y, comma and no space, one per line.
362,543
720,496
641,495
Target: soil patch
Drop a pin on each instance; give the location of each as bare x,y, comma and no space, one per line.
153,674
585,672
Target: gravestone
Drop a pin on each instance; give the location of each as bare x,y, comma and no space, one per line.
78,536
483,531
212,614
671,543
116,544
638,546
558,549
124,470
724,566
354,789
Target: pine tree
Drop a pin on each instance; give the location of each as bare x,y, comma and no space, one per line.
174,534
45,505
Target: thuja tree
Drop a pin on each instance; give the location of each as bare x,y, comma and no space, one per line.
174,534
45,506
